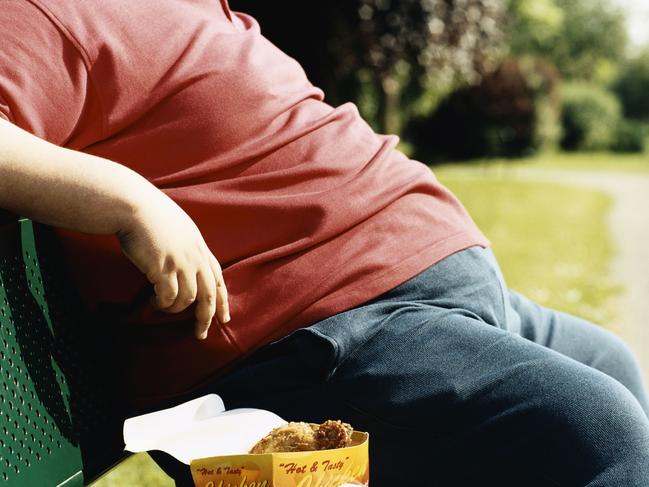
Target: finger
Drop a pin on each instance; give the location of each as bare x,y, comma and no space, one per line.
222,305
166,290
205,302
186,292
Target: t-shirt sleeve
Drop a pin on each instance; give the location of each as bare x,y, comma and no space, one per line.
43,79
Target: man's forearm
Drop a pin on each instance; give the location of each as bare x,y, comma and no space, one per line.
78,191
65,188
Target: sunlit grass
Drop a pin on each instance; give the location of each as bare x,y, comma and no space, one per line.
552,241
593,162
597,161
137,471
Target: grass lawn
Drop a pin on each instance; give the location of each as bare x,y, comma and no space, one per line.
597,161
551,240
138,470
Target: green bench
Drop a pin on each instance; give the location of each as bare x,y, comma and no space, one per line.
60,423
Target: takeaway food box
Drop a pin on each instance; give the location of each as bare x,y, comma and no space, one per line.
214,443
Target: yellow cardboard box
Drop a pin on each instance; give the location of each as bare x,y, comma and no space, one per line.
214,443
324,468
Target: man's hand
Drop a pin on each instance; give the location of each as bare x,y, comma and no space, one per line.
86,193
165,244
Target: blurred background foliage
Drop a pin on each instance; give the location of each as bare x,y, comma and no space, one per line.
462,79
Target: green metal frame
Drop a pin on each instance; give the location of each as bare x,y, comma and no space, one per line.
57,415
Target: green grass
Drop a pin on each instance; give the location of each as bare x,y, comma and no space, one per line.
137,470
592,162
551,241
573,161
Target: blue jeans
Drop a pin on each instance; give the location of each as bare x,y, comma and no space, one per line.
460,381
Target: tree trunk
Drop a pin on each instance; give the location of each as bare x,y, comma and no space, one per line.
388,115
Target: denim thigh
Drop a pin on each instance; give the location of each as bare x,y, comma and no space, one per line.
446,375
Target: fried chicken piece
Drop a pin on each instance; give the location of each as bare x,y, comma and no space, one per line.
305,437
333,434
291,437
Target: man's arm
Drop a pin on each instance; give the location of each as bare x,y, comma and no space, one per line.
81,192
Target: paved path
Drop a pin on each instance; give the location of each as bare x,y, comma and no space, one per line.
629,224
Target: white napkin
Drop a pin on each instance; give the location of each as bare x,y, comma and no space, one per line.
199,428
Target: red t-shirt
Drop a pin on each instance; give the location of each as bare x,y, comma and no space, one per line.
308,210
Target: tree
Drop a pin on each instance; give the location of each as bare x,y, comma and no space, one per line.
585,39
632,87
385,54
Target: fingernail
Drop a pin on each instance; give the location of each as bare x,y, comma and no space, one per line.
203,335
227,318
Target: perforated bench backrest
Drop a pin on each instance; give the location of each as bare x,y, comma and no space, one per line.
59,423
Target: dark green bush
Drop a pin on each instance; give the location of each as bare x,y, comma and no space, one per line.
630,137
632,87
590,117
500,117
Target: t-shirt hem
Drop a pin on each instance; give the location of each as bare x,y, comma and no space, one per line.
347,299
367,290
